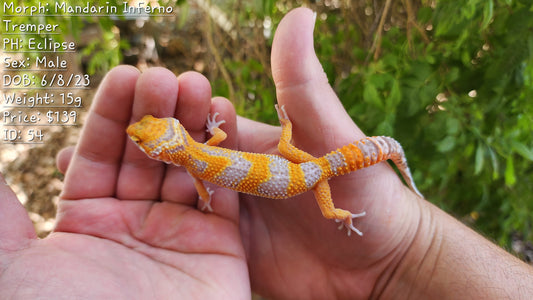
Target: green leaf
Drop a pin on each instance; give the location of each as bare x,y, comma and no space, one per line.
495,165
453,74
488,11
479,160
425,13
453,126
395,94
446,144
523,150
510,178
386,126
371,95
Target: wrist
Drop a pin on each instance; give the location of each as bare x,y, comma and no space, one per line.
416,268
414,260
448,260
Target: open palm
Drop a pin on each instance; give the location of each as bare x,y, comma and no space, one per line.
127,226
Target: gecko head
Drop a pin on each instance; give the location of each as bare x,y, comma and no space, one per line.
157,137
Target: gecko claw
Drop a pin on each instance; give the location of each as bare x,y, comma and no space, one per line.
212,123
347,223
282,114
207,204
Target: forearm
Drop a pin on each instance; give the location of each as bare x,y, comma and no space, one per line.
447,260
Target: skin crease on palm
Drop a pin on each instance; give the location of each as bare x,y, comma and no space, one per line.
128,227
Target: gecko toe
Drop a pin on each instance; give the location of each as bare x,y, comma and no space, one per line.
348,224
212,123
207,206
207,203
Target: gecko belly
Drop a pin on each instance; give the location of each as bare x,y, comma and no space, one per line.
263,175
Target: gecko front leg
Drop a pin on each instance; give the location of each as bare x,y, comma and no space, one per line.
204,193
218,135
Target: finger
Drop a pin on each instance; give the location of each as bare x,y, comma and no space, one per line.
302,86
226,112
193,105
95,164
156,93
64,156
16,229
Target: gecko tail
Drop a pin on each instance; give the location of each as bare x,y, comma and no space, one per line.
406,174
397,156
369,151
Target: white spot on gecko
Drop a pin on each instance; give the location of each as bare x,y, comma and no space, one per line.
312,173
277,186
235,173
336,161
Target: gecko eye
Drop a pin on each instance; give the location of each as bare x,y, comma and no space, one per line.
136,139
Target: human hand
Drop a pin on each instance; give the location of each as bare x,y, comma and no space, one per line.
127,226
293,252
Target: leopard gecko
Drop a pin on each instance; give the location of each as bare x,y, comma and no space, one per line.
265,175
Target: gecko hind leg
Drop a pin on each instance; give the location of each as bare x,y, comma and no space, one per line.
323,197
350,226
204,193
285,147
321,190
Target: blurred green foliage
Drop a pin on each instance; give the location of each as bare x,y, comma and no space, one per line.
451,80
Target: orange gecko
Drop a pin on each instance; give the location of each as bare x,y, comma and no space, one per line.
265,175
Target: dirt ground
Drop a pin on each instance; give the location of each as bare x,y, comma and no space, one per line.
31,172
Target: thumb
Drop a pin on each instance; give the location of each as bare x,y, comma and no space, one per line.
318,116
